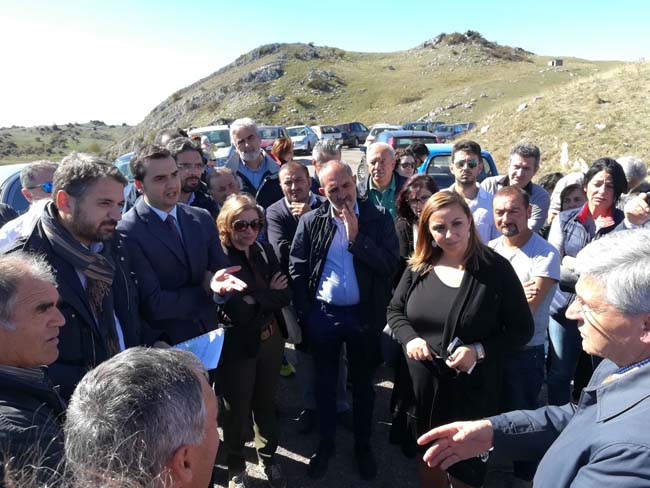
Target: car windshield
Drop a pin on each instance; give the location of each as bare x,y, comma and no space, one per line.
269,133
400,142
328,129
218,136
439,165
445,128
297,131
422,126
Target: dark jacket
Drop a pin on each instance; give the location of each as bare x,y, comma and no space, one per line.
242,334
281,226
404,231
601,442
269,191
170,274
31,413
490,308
376,257
7,213
83,345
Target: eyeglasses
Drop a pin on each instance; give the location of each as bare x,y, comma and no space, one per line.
242,225
470,163
407,165
587,313
46,187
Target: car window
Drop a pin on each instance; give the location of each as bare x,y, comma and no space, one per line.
12,196
269,133
363,127
328,129
439,165
218,136
401,142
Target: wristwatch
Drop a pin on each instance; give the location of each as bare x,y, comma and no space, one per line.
480,352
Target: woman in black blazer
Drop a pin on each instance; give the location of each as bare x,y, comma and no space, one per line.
458,307
253,347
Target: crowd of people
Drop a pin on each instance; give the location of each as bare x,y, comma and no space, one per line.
473,294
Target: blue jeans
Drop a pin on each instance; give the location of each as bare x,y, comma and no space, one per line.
566,345
330,326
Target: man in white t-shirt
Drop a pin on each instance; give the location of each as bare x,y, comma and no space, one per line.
537,264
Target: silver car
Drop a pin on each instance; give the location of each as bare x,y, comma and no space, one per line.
303,138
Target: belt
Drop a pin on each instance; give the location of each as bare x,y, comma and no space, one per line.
269,329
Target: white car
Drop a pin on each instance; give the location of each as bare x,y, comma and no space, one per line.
328,132
377,129
219,137
303,138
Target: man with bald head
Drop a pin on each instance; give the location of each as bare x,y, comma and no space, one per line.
342,260
383,183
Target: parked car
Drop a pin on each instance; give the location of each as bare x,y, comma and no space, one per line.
328,132
269,133
422,125
377,129
10,187
219,137
303,138
354,133
465,126
437,165
397,139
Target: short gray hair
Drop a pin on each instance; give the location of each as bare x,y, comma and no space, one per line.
128,416
376,146
526,150
634,167
243,123
28,173
620,262
333,164
13,268
326,150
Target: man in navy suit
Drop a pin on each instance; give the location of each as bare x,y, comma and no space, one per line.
174,248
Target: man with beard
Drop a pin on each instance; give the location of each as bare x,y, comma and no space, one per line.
76,234
342,261
537,264
383,183
191,165
257,170
524,165
174,248
466,164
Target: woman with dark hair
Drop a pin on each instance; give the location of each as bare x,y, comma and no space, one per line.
252,350
570,231
409,204
405,162
457,310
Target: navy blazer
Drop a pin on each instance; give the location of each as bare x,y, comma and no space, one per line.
281,226
170,275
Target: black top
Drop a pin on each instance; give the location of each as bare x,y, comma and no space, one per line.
428,321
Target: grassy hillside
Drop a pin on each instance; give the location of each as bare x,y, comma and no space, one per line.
605,114
19,144
456,77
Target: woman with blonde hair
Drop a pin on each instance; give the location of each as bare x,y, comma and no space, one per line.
253,347
457,309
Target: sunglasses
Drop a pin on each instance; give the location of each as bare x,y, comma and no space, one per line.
46,187
407,165
242,225
470,163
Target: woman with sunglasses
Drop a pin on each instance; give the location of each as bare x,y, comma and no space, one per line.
571,231
252,352
405,162
457,310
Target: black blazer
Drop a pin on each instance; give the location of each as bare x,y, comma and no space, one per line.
170,276
490,308
281,226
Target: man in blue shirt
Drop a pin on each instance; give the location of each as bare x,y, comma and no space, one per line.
342,260
603,441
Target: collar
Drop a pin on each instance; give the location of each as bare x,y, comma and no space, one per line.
191,199
391,185
35,374
263,164
628,390
162,214
584,214
480,195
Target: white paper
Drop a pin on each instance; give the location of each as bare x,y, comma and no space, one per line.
207,347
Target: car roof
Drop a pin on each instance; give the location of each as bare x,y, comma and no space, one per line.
297,126
270,126
402,133
8,170
209,128
437,149
377,126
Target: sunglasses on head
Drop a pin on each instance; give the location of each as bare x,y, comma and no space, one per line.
470,163
242,225
46,187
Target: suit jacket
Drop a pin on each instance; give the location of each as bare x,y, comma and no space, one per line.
170,275
281,226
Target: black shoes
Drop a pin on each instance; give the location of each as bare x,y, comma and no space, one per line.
366,463
320,459
306,421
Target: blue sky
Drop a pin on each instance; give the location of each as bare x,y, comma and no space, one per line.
72,61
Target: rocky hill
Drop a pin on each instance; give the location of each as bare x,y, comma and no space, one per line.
451,77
